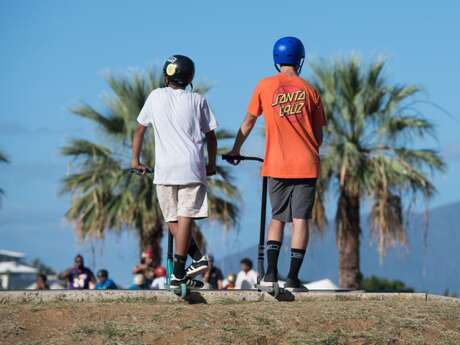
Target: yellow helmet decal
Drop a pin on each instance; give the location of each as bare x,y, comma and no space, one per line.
171,69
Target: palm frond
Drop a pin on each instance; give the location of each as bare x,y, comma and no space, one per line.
3,158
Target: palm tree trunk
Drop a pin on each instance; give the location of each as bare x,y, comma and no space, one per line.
151,239
348,237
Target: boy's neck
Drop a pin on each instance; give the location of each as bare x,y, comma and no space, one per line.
288,71
176,87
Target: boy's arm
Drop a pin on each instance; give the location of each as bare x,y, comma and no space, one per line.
319,121
136,149
211,143
244,131
318,132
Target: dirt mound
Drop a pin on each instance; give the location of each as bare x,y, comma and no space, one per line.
318,321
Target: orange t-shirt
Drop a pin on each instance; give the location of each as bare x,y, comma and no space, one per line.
292,109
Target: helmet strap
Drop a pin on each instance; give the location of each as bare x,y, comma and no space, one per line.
299,69
277,67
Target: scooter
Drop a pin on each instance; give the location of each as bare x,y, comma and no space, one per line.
274,290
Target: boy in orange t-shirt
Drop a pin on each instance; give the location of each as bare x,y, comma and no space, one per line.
294,118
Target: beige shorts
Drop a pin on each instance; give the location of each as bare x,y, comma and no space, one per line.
183,201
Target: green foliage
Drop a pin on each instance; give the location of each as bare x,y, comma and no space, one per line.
450,294
42,267
3,158
374,283
371,148
105,196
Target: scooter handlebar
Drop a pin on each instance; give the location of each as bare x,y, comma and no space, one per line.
230,158
139,171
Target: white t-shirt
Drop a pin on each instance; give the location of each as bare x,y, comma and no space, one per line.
180,120
246,280
158,283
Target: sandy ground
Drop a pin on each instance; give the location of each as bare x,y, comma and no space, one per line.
300,322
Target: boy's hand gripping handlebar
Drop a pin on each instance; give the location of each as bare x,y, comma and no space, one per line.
140,172
235,160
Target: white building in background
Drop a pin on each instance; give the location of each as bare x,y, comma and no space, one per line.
14,273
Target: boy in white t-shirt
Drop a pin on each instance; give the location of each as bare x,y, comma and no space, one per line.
247,278
182,122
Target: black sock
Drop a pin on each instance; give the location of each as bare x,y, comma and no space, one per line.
179,265
297,256
194,251
273,252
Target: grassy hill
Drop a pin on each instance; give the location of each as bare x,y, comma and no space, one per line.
316,321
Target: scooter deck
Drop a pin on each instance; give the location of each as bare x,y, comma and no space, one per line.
183,290
274,290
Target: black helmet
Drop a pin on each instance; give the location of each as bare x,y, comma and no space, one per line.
179,69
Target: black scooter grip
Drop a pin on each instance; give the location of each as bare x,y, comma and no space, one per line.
138,171
241,158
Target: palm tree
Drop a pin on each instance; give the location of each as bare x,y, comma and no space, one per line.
3,159
105,197
370,156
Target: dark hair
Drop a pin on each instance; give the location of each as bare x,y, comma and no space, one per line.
103,272
42,277
247,262
79,256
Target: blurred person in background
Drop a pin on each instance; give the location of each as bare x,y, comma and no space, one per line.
229,283
247,278
79,276
103,281
139,283
213,277
146,267
160,278
41,282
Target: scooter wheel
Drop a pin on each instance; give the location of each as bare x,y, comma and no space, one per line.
276,290
183,290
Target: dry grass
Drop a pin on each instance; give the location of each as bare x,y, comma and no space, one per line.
309,322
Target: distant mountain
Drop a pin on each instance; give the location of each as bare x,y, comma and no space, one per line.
434,268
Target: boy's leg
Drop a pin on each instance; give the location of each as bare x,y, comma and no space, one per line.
302,200
280,195
192,204
193,250
182,241
199,261
299,241
275,238
180,227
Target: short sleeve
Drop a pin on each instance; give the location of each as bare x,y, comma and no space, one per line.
255,104
319,117
207,120
145,117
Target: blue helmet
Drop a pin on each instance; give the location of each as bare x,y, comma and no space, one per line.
289,51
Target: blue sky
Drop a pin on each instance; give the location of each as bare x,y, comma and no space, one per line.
55,54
